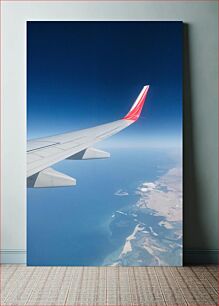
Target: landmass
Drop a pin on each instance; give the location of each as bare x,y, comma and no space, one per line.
121,193
156,221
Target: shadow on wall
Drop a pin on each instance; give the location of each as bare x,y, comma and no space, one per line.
193,229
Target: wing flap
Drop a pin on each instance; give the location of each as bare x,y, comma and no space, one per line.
50,178
90,153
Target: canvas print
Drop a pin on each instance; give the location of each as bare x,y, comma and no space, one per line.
104,147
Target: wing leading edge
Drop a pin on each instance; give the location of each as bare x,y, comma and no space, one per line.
42,153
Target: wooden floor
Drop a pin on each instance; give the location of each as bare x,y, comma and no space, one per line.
23,285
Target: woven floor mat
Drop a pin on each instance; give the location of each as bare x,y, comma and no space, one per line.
113,286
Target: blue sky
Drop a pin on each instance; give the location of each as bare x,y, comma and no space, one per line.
82,74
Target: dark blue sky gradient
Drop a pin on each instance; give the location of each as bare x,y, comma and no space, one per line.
82,74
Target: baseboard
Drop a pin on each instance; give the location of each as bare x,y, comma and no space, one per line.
200,257
13,256
190,257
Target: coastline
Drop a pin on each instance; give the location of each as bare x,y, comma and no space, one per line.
166,188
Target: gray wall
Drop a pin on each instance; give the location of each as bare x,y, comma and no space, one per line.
200,110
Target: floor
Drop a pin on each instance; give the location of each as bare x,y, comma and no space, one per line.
23,285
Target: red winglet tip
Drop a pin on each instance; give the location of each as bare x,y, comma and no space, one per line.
136,109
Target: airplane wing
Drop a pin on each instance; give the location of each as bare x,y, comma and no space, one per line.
42,153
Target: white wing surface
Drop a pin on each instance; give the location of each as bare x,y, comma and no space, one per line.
42,153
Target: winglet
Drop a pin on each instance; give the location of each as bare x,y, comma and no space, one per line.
135,111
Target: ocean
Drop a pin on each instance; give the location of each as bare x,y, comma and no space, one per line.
75,226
